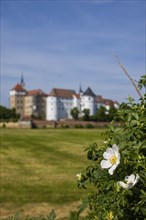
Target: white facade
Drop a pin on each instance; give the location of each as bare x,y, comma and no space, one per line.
76,102
58,108
88,102
58,104
52,108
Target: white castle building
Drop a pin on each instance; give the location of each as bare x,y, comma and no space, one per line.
57,104
60,102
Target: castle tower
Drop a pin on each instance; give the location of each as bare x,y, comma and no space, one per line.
88,101
52,106
17,94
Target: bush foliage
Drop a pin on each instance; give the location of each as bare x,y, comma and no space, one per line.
118,170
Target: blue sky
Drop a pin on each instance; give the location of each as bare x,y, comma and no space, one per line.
66,43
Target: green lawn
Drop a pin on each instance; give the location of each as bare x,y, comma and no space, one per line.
39,166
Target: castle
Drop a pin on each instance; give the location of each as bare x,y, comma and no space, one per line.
57,104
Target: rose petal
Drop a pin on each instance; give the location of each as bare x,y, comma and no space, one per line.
124,185
131,181
105,164
137,177
117,154
112,169
110,151
115,148
106,155
130,178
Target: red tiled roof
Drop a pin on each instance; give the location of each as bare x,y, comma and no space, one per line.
18,88
99,99
108,102
63,93
77,95
36,92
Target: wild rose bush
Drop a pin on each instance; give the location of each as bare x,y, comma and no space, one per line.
118,170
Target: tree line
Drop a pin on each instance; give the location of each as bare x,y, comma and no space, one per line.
101,115
7,114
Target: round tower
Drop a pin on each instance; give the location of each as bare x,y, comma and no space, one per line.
88,101
52,107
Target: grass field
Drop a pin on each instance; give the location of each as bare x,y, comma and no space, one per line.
39,167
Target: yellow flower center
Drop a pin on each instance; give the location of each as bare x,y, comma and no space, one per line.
113,160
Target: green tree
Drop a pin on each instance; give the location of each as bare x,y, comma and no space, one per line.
75,113
3,112
86,116
101,114
8,114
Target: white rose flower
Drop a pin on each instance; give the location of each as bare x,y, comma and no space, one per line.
130,181
112,159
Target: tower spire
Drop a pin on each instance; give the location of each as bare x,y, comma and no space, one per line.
80,89
22,83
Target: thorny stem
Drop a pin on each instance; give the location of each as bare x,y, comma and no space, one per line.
132,81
